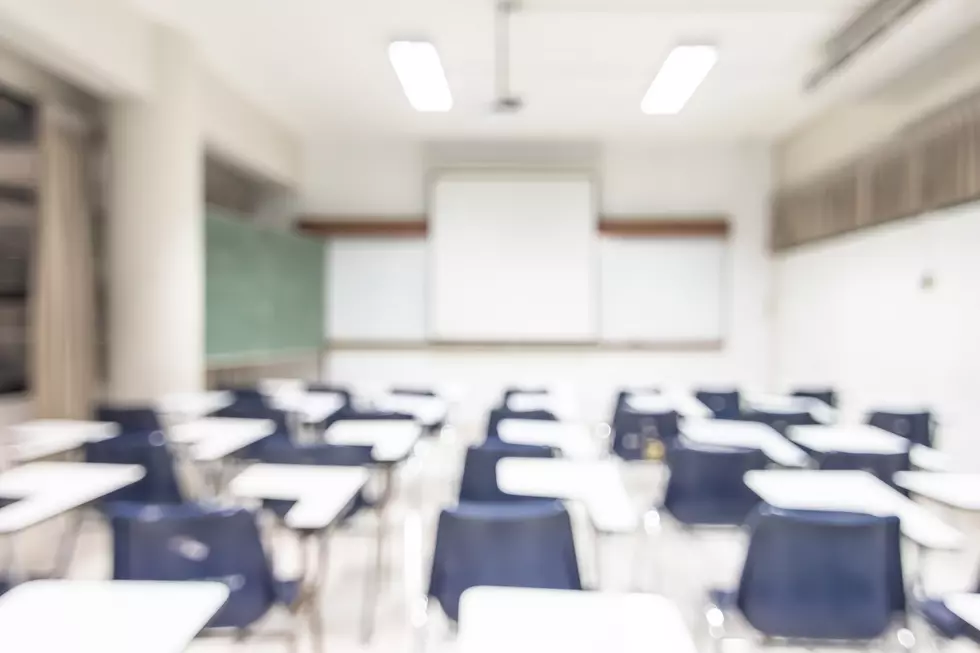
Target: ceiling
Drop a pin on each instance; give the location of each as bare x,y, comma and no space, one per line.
581,66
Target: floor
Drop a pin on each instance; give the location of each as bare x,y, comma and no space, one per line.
677,564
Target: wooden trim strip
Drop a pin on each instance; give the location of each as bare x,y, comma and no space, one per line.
654,227
330,227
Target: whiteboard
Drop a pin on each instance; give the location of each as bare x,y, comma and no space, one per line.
663,289
376,289
512,257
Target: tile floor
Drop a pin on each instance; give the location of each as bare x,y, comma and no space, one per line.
678,564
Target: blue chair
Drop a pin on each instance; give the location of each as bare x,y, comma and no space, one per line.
502,545
286,453
191,542
781,421
498,415
723,405
707,487
149,449
882,465
915,426
828,395
247,397
818,576
640,436
130,418
479,480
413,392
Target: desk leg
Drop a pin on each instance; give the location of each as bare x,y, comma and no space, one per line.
317,545
68,543
368,614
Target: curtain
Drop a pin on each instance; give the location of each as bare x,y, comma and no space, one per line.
63,315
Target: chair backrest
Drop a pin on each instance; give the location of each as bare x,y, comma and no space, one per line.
882,465
149,449
130,418
247,397
287,453
723,405
828,395
192,542
515,390
779,420
479,479
412,392
498,415
913,426
502,545
707,483
822,575
633,433
351,414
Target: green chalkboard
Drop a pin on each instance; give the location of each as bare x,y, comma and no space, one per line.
264,291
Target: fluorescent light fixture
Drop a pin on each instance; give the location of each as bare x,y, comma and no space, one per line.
420,72
683,71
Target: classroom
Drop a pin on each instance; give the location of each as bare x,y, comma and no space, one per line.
472,326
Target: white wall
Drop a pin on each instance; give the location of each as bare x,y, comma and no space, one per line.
375,179
889,315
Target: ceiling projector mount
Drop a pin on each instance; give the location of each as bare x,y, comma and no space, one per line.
506,101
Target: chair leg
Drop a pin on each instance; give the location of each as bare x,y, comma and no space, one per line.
68,544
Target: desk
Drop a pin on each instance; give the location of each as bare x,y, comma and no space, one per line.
965,606
321,493
852,491
391,440
309,407
499,619
747,435
682,404
49,437
863,438
107,616
47,489
573,440
213,438
598,485
559,406
769,403
960,491
184,406
429,411
44,490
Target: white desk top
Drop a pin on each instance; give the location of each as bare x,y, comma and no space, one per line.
390,440
864,438
213,438
321,492
182,406
683,404
499,619
107,616
573,440
557,405
748,435
427,410
852,491
48,489
598,485
48,437
965,606
770,403
310,407
957,490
